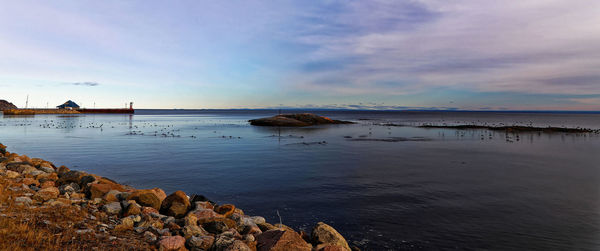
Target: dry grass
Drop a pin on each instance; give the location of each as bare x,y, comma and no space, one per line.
54,228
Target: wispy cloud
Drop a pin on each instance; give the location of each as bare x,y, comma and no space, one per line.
85,83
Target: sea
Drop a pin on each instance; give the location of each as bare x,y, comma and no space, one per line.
384,182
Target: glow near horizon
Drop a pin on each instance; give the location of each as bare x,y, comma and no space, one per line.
468,54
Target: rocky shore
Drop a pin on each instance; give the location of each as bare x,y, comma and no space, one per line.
296,120
53,208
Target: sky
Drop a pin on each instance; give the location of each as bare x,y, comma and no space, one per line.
402,54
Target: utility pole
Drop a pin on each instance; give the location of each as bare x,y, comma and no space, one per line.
27,101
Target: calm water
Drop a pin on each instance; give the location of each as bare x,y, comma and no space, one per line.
421,189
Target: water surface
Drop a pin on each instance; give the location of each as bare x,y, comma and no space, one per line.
383,187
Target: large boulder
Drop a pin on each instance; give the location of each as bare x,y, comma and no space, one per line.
148,197
177,205
324,235
98,190
296,120
281,240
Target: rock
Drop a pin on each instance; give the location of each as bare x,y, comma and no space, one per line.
99,190
112,208
191,220
62,170
177,204
172,243
324,235
149,210
200,242
48,183
203,205
30,181
296,120
84,180
47,169
126,224
148,197
215,227
192,230
46,194
204,214
111,196
12,174
226,210
68,188
149,237
258,220
23,200
266,226
69,176
278,240
132,209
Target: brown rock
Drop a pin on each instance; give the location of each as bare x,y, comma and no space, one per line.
204,205
226,210
46,194
278,240
30,181
148,210
126,224
204,214
324,235
330,248
148,197
48,183
177,204
172,243
201,242
111,196
12,175
132,209
62,169
99,190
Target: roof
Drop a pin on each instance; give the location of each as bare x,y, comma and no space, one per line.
68,104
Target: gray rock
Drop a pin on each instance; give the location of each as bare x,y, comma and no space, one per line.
112,208
46,169
84,231
149,237
23,200
258,220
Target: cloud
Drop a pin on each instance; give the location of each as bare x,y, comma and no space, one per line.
533,46
85,83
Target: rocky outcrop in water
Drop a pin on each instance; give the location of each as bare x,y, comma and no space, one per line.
5,105
296,120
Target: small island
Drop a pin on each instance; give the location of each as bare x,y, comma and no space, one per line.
296,120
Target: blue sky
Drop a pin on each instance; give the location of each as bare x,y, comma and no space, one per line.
463,54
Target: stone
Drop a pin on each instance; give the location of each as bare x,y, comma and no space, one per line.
112,208
48,183
201,242
190,220
149,210
324,235
329,248
189,231
281,240
258,220
176,204
172,243
23,200
30,181
132,209
47,169
148,197
85,180
266,226
27,169
46,194
204,214
126,224
225,210
99,190
203,205
69,176
12,174
62,170
149,237
215,227
111,196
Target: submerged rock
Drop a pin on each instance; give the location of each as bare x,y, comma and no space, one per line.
301,119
